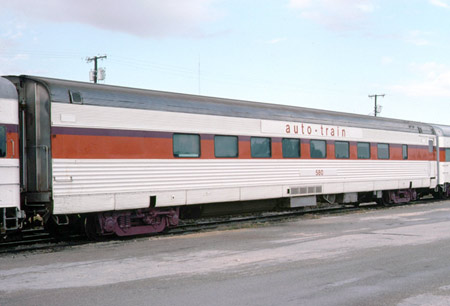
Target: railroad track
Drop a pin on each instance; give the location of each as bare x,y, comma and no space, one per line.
39,239
213,223
29,239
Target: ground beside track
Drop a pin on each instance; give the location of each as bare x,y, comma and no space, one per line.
395,256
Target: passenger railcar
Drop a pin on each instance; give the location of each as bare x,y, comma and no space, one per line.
10,211
443,162
125,160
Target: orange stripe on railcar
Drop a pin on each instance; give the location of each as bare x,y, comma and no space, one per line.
12,140
159,145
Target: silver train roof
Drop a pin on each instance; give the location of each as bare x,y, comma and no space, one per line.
7,89
115,96
442,130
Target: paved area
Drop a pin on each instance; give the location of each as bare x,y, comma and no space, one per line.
396,256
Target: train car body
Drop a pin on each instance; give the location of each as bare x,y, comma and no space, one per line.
443,162
128,159
10,212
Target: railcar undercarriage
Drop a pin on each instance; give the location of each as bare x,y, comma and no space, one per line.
131,222
156,220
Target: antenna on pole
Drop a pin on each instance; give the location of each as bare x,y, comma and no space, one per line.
96,74
377,109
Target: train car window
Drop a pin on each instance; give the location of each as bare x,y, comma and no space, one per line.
291,148
405,151
430,145
342,149
363,149
75,97
383,151
318,148
2,141
261,146
226,146
186,145
447,154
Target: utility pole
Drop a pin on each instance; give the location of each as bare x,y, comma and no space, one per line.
95,59
376,107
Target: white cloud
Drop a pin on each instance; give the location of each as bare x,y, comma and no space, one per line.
335,14
300,3
387,60
441,3
275,40
6,44
366,7
418,38
435,81
10,64
145,18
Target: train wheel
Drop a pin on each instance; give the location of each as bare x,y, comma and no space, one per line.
440,194
92,227
446,193
383,201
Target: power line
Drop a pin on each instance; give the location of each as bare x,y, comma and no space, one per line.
200,74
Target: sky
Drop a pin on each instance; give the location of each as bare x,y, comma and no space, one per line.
325,54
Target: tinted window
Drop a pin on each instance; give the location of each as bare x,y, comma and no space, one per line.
186,145
2,141
291,147
260,147
447,154
363,150
341,149
383,151
75,97
225,146
405,151
318,148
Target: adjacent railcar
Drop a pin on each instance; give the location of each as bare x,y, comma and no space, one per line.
126,160
10,213
443,162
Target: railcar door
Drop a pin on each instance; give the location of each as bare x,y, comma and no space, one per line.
34,123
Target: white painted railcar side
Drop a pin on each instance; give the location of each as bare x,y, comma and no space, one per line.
443,164
104,156
88,185
9,160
